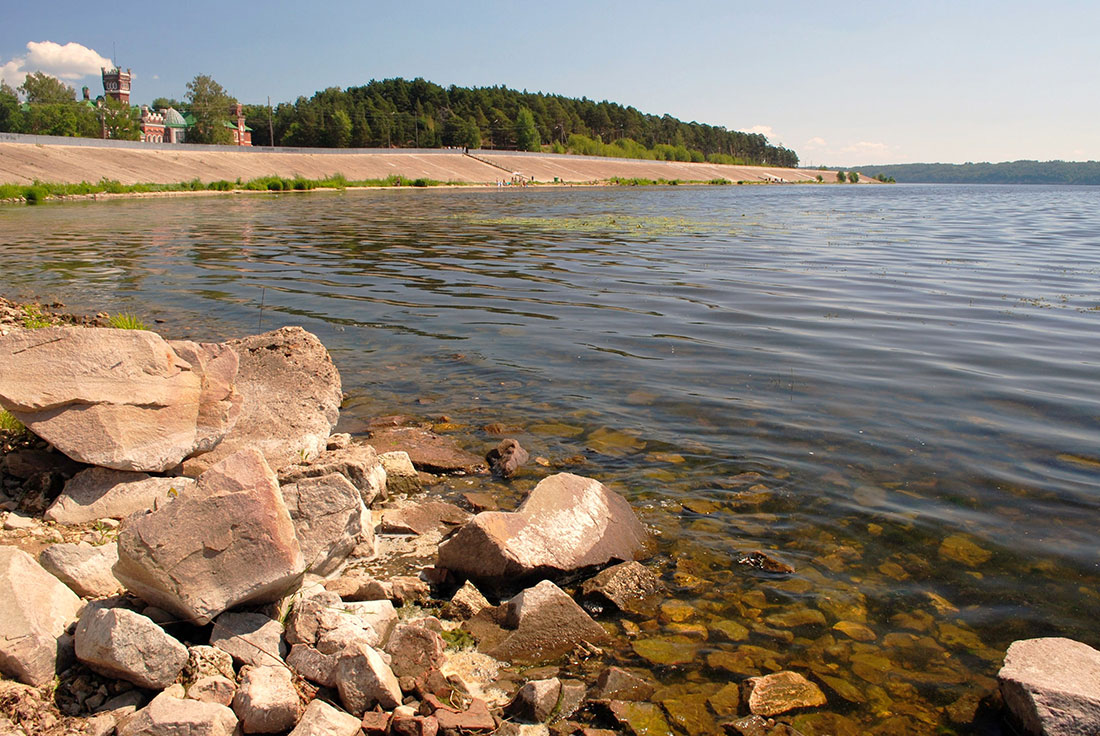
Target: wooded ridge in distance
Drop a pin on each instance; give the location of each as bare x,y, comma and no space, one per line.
418,113
1008,172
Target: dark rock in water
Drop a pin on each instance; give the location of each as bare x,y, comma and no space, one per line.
615,683
566,523
747,726
537,625
1052,686
423,518
429,452
640,719
535,702
480,501
780,692
628,586
506,458
766,562
291,396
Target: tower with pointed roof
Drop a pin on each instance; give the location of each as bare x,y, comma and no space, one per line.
116,84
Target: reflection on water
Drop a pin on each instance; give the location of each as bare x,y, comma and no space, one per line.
892,388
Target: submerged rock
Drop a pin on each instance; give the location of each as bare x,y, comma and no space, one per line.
1051,686
566,523
231,541
429,452
780,692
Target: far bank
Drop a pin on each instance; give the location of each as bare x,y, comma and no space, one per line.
26,159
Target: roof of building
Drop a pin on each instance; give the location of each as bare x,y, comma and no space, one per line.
173,119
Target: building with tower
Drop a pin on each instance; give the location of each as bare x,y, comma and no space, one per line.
116,84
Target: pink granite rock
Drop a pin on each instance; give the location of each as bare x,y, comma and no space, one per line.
230,541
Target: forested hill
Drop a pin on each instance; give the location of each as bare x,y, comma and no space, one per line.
418,113
1009,172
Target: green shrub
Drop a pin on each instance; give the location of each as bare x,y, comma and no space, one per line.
275,185
853,176
35,194
126,321
840,177
421,182
220,186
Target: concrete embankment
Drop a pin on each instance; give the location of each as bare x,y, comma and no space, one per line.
50,160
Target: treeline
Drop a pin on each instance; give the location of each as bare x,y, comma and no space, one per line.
418,113
1009,172
51,109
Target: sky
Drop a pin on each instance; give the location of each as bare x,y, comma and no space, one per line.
843,83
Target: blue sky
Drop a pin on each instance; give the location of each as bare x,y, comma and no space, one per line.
842,83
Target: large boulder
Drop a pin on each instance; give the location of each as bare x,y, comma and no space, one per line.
120,643
35,610
566,523
1051,686
329,519
85,568
123,399
230,541
290,393
102,493
537,625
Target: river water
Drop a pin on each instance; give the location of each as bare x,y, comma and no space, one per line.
894,389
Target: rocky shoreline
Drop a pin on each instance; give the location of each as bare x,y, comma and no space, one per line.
188,548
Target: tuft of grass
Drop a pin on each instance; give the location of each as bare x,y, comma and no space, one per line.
126,321
33,318
11,425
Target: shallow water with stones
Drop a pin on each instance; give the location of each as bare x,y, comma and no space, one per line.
894,389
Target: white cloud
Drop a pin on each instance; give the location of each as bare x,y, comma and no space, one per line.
764,130
815,142
70,61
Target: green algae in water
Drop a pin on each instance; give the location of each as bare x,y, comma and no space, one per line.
641,225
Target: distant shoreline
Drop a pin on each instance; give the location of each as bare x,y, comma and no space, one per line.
72,163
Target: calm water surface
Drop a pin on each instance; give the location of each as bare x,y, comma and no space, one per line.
894,389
